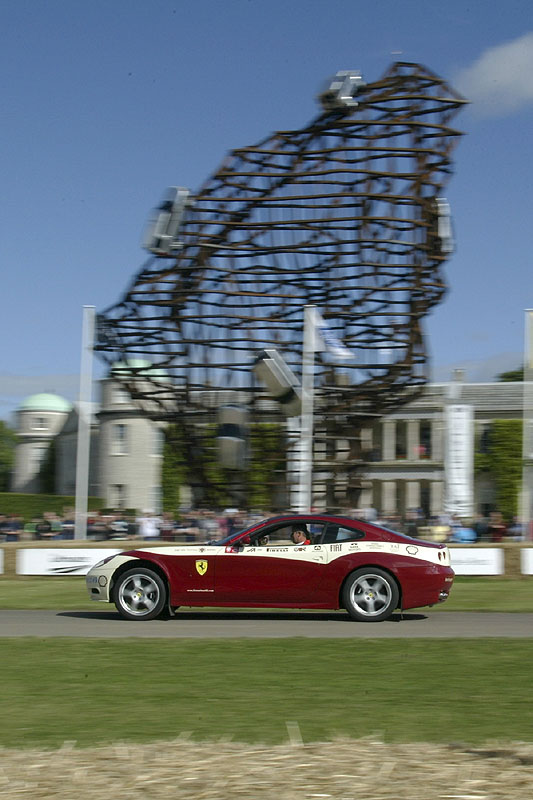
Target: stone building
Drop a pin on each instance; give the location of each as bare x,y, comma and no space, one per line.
130,451
408,453
125,452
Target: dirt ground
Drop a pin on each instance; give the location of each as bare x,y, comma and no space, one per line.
342,770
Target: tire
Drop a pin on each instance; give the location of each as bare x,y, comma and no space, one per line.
370,595
140,594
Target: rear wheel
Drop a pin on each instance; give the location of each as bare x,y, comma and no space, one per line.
140,594
370,595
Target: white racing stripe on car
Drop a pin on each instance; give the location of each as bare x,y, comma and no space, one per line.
319,553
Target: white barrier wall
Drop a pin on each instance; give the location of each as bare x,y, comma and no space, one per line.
64,561
77,561
526,561
477,561
1,562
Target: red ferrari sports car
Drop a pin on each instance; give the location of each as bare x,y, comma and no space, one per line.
295,561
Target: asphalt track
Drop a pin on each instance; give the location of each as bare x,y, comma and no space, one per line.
199,624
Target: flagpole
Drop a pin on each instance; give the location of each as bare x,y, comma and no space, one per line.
306,422
527,428
84,423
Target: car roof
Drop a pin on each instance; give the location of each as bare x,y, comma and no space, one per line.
338,519
318,516
307,518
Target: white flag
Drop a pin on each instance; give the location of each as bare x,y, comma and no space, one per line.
327,340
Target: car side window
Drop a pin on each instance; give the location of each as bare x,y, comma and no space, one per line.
349,535
338,533
281,537
277,537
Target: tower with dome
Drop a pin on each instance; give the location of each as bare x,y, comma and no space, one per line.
39,419
125,454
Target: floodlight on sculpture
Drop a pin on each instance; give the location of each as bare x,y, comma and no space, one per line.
162,235
345,213
341,91
280,380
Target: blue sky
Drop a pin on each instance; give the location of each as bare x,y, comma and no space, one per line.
106,103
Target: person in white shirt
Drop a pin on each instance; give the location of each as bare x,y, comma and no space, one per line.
149,526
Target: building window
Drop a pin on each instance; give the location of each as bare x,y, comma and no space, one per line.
156,497
425,498
119,441
118,495
401,498
158,441
120,395
37,456
401,439
376,450
39,424
424,448
484,440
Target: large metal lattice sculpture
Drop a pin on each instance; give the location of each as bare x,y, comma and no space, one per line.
343,213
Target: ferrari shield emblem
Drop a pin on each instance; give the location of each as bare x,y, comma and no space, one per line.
201,566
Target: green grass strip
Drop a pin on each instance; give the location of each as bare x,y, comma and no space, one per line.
97,691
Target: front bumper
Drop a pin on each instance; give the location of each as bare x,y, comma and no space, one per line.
98,586
99,579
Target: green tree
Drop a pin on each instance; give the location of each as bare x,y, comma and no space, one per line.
193,461
8,440
502,461
511,375
267,473
173,469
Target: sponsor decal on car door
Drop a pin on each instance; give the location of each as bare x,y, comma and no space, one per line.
274,575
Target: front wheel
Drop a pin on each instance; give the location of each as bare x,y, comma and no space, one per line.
140,594
370,595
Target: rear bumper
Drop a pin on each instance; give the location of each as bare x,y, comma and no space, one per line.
432,585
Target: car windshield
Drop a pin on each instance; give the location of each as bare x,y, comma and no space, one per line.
227,539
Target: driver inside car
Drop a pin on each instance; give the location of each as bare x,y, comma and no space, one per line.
300,535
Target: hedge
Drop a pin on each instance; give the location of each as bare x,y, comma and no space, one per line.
29,506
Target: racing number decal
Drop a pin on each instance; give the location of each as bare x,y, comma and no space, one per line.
201,566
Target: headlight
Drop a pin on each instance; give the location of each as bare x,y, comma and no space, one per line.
105,561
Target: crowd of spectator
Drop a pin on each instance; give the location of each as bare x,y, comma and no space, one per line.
46,526
190,526
194,525
204,525
455,529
